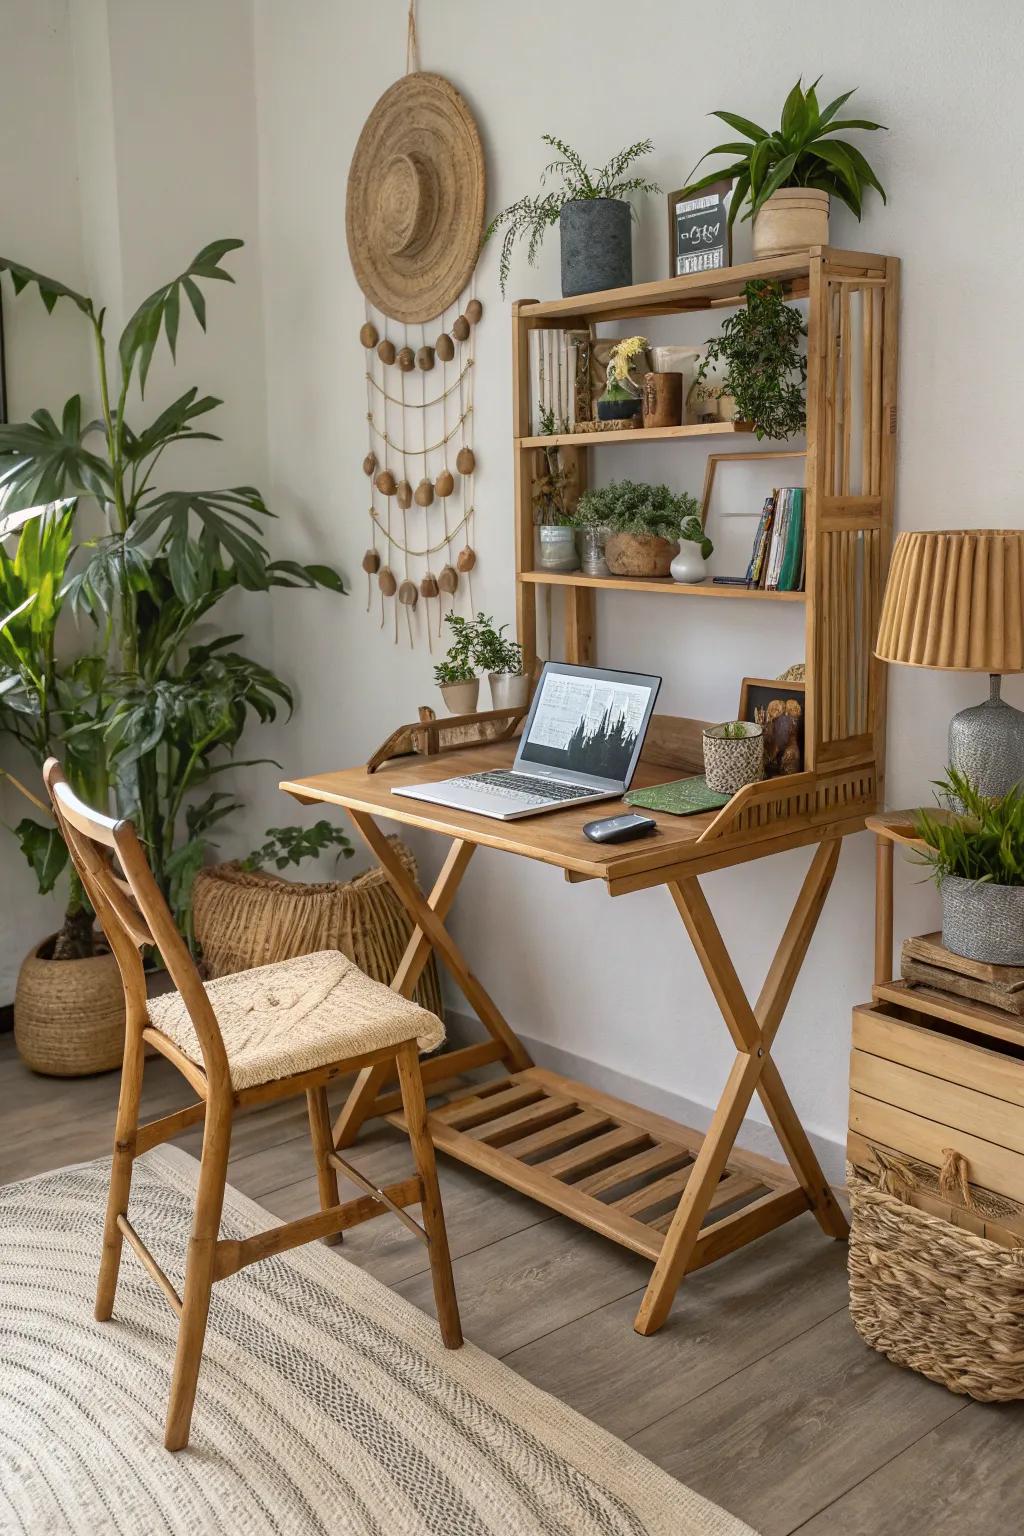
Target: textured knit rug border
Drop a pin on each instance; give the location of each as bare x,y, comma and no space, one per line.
326,1402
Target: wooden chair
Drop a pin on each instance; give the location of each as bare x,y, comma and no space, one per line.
134,914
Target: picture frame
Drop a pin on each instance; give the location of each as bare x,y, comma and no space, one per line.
699,237
783,729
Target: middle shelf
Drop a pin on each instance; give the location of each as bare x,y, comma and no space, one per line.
656,584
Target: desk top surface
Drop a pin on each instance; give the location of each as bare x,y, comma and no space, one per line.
553,838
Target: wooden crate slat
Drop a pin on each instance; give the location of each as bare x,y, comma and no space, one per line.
964,1109
656,1159
464,1113
929,1050
578,1160
994,1167
580,1124
518,1122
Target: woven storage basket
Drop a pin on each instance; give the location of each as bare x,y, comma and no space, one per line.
934,1297
69,1014
244,919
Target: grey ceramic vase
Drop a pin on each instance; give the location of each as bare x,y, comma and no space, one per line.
597,245
986,743
983,921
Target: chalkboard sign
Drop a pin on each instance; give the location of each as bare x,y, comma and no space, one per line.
700,239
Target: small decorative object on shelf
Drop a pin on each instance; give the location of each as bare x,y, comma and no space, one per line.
926,962
557,547
622,400
953,602
662,400
765,367
699,231
779,709
977,858
733,755
592,541
644,525
788,175
593,215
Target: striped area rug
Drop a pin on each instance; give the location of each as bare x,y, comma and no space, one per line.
326,1402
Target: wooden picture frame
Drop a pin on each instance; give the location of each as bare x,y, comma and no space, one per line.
783,730
705,243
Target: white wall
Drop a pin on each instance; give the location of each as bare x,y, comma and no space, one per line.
615,981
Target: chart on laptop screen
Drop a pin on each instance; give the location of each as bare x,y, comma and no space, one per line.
587,724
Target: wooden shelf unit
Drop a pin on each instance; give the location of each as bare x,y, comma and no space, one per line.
852,300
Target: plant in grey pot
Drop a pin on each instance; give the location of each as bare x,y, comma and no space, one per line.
643,525
455,675
977,859
502,660
592,211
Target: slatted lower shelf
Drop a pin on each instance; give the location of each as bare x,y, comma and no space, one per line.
609,1165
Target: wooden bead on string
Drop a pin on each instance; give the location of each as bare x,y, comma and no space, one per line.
386,351
448,581
474,309
466,559
386,581
444,347
368,335
408,593
428,585
406,359
371,562
385,483
424,493
403,495
425,359
460,329
445,483
369,464
465,461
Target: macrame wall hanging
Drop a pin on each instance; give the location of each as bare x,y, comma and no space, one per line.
414,217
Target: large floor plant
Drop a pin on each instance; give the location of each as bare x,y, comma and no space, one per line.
158,702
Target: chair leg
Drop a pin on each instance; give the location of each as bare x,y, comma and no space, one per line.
415,1106
199,1274
321,1136
120,1173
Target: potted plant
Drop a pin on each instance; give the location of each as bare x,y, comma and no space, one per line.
759,365
975,848
593,215
622,399
455,676
644,526
733,755
787,176
502,660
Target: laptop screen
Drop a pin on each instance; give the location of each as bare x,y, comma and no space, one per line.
587,722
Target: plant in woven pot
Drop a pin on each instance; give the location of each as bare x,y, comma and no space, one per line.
644,526
975,849
788,175
733,755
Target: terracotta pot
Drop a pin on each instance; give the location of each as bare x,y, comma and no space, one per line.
663,399
509,690
639,554
69,1014
792,220
461,698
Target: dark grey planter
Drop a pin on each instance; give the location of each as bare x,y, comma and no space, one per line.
597,245
983,921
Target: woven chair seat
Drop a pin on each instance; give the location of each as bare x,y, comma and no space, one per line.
297,1015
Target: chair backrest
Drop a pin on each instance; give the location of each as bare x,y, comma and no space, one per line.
133,912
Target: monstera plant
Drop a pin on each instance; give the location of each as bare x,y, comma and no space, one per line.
145,702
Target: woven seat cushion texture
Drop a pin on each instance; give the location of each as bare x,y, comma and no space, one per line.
297,1015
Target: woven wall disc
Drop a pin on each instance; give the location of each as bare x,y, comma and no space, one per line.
414,213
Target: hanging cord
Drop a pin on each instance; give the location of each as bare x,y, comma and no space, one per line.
412,43
373,520
444,499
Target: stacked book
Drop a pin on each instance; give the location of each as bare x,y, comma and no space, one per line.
777,558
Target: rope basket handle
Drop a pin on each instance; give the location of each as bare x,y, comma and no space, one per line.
896,1176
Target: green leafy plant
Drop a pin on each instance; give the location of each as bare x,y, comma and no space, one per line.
491,651
765,365
457,666
801,152
627,507
291,845
734,730
530,218
983,842
161,704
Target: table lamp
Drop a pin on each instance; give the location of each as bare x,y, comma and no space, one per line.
955,601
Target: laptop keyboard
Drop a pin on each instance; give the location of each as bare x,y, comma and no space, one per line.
513,786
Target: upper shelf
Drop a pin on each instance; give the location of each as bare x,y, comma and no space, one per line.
635,435
699,290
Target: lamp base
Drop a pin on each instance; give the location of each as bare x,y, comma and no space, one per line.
986,744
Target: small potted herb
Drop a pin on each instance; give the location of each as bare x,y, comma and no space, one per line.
788,176
622,400
733,755
644,525
455,676
975,848
593,215
502,660
760,364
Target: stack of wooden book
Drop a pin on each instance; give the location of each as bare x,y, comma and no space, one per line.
777,558
927,963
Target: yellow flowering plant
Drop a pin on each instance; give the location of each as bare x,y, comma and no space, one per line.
623,356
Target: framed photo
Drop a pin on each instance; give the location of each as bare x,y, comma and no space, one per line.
779,708
699,237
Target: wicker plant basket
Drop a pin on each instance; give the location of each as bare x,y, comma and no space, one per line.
69,1014
244,919
934,1297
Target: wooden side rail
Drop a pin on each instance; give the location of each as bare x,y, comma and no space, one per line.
773,806
455,733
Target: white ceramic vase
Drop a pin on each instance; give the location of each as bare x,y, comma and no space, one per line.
509,690
689,566
461,698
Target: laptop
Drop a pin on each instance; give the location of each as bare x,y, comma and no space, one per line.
581,742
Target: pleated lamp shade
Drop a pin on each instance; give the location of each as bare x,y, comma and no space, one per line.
955,600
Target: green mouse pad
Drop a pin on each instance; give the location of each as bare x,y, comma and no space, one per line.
683,797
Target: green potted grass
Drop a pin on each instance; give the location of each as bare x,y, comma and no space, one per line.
975,849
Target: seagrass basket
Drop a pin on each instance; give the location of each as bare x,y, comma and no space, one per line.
934,1297
246,918
69,1014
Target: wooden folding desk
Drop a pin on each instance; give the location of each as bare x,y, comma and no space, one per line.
680,1198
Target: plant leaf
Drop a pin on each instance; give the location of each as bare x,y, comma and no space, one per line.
742,125
50,290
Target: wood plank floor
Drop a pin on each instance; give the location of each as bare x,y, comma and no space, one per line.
757,1392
